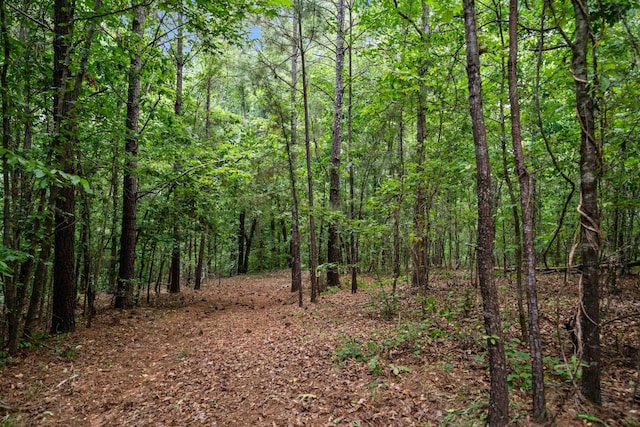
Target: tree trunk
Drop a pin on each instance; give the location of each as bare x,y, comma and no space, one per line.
517,233
296,273
9,284
535,343
248,240
418,246
200,262
126,274
498,414
313,245
174,285
588,208
241,237
353,252
419,260
64,285
333,242
86,278
40,277
399,173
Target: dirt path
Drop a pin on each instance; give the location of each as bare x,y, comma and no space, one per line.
236,353
240,352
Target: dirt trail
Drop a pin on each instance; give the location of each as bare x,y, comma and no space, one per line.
239,352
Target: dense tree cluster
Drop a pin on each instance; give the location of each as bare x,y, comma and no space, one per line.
158,143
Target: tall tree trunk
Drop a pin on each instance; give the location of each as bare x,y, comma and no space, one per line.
399,173
498,414
333,242
126,274
313,245
113,255
418,245
419,250
40,277
85,256
67,91
177,109
64,285
296,273
517,233
588,208
9,285
353,252
526,200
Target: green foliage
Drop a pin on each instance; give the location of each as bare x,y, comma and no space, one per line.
5,358
406,338
520,375
332,290
568,371
591,418
384,303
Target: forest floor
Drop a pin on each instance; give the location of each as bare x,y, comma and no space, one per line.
240,352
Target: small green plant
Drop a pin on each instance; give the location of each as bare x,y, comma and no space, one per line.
374,367
520,376
385,303
332,290
569,370
5,358
591,418
183,354
398,369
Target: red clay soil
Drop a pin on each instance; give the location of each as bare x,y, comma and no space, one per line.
240,352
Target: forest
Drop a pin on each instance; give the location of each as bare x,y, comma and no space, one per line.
395,187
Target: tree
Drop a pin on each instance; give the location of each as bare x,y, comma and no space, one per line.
498,394
296,274
67,83
590,232
174,286
313,246
526,204
126,274
333,242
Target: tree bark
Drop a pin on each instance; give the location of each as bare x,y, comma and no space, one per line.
177,109
313,245
526,199
174,285
126,274
399,173
588,208
333,242
419,258
64,285
200,262
498,414
249,240
241,237
353,252
418,247
296,273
